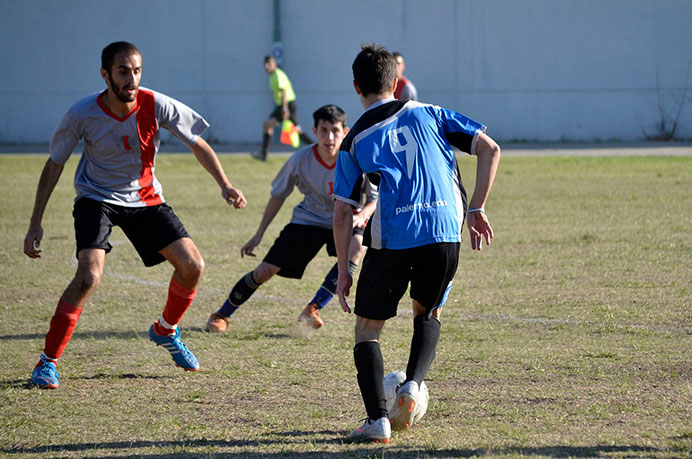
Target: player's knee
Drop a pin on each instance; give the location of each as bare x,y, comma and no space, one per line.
368,329
87,280
198,267
194,268
264,272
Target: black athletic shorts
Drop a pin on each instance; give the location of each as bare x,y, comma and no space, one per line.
386,274
150,228
278,113
296,246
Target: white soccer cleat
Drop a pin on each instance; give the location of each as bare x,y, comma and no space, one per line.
392,382
378,431
404,411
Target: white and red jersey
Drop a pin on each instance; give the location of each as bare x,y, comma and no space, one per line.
306,170
118,162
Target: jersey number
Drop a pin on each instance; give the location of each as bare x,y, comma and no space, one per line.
410,146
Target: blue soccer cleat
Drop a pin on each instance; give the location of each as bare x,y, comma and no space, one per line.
45,374
182,356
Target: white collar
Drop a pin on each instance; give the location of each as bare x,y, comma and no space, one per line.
380,102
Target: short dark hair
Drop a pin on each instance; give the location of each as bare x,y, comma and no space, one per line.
109,52
331,113
374,69
268,58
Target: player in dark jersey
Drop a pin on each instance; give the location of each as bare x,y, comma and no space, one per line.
414,235
311,170
116,186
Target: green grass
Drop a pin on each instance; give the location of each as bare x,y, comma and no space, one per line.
569,337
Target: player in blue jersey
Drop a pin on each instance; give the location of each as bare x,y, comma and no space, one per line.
116,186
414,235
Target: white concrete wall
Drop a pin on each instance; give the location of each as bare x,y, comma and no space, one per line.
531,69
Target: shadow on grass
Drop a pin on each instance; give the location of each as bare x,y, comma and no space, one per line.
26,383
335,438
133,334
82,335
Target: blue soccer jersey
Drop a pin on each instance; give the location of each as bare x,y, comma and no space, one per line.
406,149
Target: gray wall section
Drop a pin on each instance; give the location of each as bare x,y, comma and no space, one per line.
542,70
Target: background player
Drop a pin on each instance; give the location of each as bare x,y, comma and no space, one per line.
311,313
116,186
311,169
414,236
285,101
405,90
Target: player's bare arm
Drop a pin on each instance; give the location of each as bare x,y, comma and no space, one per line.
488,158
273,206
284,103
206,156
361,218
343,229
46,184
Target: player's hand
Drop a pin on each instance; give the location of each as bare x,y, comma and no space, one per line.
343,289
479,228
234,197
250,246
32,242
359,220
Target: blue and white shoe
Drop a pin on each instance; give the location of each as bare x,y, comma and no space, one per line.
45,374
182,356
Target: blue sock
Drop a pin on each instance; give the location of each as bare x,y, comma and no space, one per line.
322,297
227,309
328,289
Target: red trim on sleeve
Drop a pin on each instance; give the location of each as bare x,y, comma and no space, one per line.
146,129
320,160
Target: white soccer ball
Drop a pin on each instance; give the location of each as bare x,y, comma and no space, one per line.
392,381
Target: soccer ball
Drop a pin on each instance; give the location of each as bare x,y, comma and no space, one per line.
392,381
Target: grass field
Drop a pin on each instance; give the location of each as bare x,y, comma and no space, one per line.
571,336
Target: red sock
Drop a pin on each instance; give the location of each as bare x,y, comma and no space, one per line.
179,299
61,327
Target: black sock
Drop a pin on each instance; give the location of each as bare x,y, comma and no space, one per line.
426,334
265,143
243,289
305,138
370,368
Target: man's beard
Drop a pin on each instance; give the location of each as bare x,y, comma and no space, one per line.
120,93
